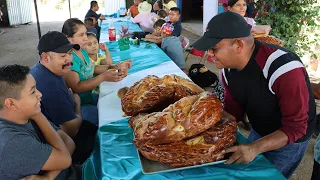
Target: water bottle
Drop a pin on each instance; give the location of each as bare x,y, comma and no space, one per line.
112,31
122,12
129,15
118,13
220,8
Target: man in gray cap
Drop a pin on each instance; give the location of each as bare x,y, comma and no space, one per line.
270,85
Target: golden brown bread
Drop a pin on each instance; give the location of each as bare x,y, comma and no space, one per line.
201,149
154,94
122,91
270,40
186,118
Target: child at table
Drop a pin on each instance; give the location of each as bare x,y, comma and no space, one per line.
174,18
90,25
92,48
161,14
134,8
171,45
102,59
156,35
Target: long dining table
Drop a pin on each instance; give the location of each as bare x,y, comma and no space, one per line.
115,156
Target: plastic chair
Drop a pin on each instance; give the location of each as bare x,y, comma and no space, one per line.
197,53
184,42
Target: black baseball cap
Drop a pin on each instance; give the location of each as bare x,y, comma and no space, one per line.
55,41
227,25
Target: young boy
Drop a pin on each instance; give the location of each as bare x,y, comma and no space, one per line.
156,35
171,45
88,22
31,147
134,8
162,14
174,18
92,49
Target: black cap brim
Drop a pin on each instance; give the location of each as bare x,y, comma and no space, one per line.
205,43
66,48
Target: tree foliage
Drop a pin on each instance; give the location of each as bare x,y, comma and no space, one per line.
296,22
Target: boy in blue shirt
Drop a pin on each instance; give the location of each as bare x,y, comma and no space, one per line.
30,146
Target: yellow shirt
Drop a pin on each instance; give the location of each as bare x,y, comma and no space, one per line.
99,59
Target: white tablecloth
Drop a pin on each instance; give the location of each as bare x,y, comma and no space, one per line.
109,104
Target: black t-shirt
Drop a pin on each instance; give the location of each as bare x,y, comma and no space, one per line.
91,13
177,28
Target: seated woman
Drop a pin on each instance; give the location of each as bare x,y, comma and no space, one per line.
81,79
240,7
144,16
158,5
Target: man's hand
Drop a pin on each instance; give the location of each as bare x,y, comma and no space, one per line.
227,115
316,90
242,154
103,47
37,177
76,97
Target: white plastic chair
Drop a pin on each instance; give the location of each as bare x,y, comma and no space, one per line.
184,42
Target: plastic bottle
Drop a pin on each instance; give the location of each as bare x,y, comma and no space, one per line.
129,15
118,13
112,32
220,8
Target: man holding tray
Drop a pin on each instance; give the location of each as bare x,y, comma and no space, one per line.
270,85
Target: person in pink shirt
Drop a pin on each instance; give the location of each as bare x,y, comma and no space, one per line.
240,7
144,16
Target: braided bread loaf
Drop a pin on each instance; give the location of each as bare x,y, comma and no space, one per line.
207,147
154,94
187,117
270,40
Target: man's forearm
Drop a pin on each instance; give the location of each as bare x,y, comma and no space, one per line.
51,174
67,141
273,141
77,110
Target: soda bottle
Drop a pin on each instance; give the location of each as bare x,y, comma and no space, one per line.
112,31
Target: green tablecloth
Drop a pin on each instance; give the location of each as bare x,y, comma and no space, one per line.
115,157
144,56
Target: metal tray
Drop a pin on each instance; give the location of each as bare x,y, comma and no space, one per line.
152,167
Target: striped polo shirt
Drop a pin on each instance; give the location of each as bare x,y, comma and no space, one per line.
274,91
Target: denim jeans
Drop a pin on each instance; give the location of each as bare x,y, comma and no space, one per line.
285,159
90,111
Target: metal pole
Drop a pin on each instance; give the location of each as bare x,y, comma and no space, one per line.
69,8
38,24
